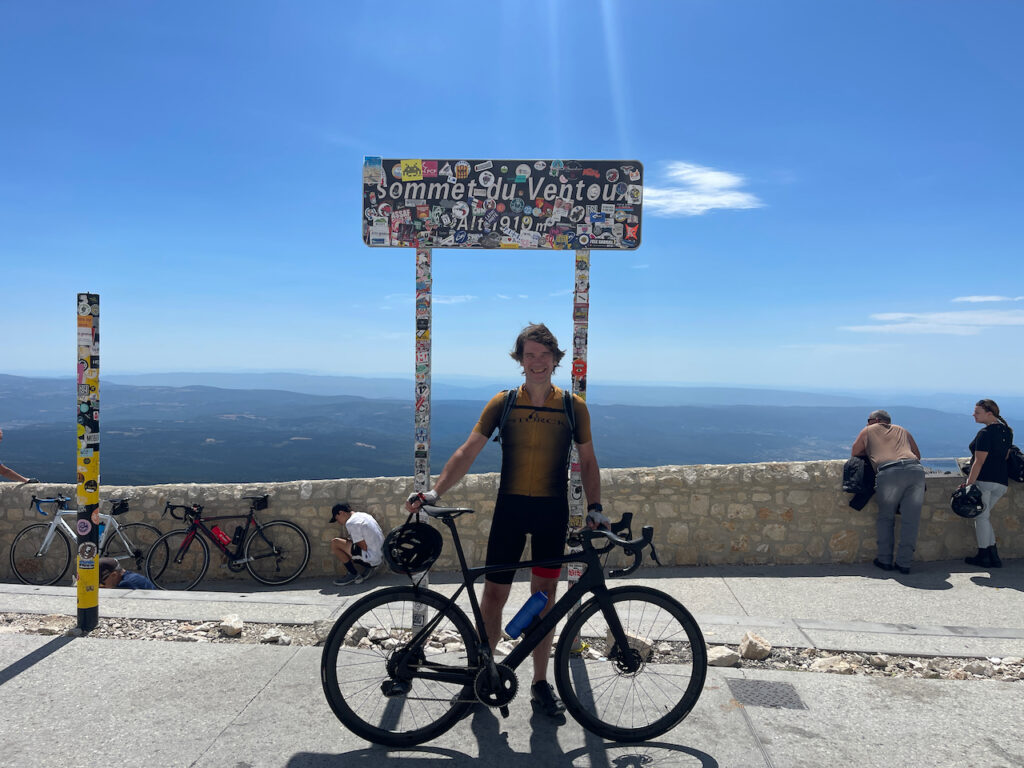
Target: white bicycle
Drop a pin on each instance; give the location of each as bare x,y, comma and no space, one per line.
41,553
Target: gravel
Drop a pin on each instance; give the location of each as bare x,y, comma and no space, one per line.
1008,669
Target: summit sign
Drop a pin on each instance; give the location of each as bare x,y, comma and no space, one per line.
528,204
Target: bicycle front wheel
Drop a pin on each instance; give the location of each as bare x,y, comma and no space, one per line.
361,667
277,552
39,563
640,692
130,544
178,560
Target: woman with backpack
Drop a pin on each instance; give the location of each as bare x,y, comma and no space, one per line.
989,451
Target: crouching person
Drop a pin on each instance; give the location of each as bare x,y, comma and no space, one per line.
361,549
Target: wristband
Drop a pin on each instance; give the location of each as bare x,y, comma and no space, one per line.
595,507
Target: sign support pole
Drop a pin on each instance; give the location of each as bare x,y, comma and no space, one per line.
580,324
421,436
88,460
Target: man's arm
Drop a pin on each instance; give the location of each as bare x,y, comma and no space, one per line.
590,473
860,445
457,466
913,446
10,474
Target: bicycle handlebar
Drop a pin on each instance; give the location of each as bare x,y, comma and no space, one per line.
189,510
634,547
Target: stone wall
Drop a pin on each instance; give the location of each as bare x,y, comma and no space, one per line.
708,514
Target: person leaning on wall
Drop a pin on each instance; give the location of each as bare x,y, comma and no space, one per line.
899,484
989,451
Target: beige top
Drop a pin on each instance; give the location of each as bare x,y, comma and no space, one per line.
883,443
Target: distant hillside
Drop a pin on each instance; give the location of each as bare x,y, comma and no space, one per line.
165,434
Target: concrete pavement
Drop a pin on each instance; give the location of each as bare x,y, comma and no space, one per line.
189,704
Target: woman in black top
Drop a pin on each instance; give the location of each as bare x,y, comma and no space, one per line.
989,450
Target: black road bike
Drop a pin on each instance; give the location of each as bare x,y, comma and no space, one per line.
404,664
273,553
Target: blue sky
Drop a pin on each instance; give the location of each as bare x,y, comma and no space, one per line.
832,191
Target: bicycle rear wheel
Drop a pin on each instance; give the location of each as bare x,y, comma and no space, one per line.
33,564
277,552
360,671
178,560
130,544
637,693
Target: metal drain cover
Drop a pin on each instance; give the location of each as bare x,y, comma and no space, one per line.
763,693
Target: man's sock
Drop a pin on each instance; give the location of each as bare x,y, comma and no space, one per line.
351,568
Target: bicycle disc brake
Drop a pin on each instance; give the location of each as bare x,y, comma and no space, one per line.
500,695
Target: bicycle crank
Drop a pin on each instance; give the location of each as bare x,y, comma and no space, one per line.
499,694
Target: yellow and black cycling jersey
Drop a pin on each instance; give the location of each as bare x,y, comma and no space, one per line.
536,441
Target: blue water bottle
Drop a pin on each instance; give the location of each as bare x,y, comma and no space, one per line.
531,609
101,527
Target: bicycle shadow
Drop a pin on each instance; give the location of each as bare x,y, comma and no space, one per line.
494,750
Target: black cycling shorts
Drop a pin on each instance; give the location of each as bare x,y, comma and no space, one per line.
544,518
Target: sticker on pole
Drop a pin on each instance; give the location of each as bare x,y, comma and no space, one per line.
523,204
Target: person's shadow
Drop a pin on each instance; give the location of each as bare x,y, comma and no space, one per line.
1010,576
494,750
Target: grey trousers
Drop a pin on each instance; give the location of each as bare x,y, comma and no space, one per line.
902,488
983,531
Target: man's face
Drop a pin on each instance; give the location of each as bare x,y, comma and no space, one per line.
113,579
538,362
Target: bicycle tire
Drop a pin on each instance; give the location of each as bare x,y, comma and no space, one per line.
354,667
637,704
138,540
279,552
193,556
34,568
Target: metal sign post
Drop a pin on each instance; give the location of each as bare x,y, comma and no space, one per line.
580,321
421,418
88,459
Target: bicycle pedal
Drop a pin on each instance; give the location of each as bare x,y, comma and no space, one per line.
503,711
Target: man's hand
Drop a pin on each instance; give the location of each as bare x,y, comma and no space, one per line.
30,480
597,520
417,500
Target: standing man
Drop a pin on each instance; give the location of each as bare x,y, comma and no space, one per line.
532,496
362,549
899,483
9,473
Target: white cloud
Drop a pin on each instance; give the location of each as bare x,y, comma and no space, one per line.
503,296
978,299
695,189
968,323
566,292
453,299
641,266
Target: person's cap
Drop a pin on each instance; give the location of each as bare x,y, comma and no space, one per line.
339,508
107,566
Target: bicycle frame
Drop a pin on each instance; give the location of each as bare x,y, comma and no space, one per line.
199,524
59,519
592,581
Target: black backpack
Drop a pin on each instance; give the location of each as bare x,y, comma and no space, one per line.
510,400
1015,464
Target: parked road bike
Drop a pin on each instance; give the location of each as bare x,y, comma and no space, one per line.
273,553
41,553
403,665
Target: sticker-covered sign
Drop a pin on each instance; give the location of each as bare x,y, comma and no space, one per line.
525,204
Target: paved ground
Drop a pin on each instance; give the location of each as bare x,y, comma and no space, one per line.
189,704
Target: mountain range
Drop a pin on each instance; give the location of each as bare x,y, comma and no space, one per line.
172,428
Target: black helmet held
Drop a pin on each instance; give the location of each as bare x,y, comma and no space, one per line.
412,547
967,501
